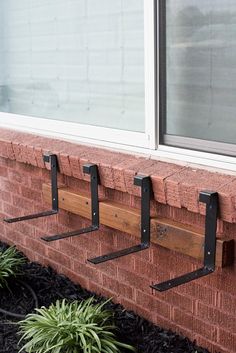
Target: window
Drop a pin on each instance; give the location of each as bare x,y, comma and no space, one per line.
77,61
198,74
76,64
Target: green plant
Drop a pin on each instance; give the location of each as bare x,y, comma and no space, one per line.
10,263
74,327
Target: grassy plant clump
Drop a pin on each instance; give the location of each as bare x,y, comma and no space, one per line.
70,327
10,263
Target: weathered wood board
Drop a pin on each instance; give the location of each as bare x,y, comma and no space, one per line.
164,232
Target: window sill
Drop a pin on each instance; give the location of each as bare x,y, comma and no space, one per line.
173,184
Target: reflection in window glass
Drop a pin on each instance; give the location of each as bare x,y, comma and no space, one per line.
201,69
74,60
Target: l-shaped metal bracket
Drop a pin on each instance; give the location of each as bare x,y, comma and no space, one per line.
52,159
212,206
91,169
145,183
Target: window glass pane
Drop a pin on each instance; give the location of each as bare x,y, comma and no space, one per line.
74,60
201,69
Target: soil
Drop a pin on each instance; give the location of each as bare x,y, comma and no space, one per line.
50,286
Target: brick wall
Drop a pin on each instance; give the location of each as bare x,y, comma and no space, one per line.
204,310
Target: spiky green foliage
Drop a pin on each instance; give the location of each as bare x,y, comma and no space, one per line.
10,263
74,327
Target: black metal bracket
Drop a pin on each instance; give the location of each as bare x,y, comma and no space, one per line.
91,169
212,206
145,183
52,159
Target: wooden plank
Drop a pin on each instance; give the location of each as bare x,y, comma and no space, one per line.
164,232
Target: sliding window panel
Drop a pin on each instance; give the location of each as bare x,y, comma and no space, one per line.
199,80
78,61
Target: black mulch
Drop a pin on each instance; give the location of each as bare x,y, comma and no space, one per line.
51,286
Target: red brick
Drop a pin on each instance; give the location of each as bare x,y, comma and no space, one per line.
131,172
133,280
63,218
6,150
217,348
75,167
27,252
78,185
31,158
118,172
31,194
59,257
106,168
24,228
227,302
64,162
36,246
17,152
227,199
98,289
159,171
227,339
205,343
11,211
6,185
76,278
86,241
36,183
77,253
118,196
107,237
185,186
28,169
49,226
24,154
17,177
172,193
38,153
221,279
124,240
121,289
3,172
5,196
126,262
170,261
15,237
5,162
108,268
163,322
153,303
45,261
23,203
216,317
199,292
194,324
140,310
88,271
183,302
146,269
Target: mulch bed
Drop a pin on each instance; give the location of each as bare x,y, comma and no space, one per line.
50,286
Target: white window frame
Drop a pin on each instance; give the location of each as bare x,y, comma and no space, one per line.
146,143
97,134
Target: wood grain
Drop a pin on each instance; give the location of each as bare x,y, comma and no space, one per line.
164,232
